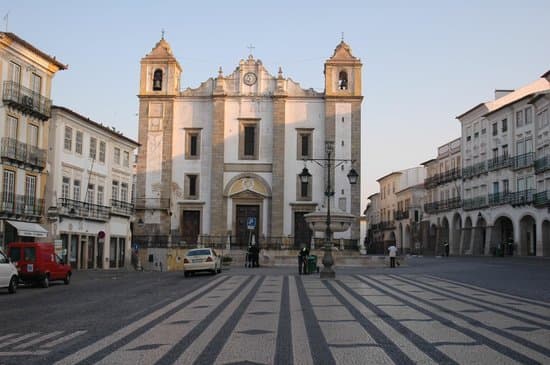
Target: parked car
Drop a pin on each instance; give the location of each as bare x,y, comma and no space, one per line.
9,277
202,259
37,262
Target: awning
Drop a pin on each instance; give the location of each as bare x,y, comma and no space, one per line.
27,229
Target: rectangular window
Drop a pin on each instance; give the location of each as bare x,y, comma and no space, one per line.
520,184
495,153
483,131
68,144
192,185
8,191
114,191
192,143
65,187
505,150
126,159
11,127
495,187
519,118
15,72
476,135
505,186
78,142
102,148
520,148
249,140
495,129
93,148
30,191
504,125
528,116
76,190
100,195
116,156
36,83
90,194
124,192
32,135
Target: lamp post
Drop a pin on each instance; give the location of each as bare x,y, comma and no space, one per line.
328,272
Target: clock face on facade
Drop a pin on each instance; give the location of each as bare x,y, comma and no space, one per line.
250,78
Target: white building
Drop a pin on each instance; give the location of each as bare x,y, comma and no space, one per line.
89,190
26,75
223,159
505,153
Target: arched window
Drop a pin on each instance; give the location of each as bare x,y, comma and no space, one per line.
157,80
343,80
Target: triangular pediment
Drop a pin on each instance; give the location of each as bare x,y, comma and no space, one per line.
248,195
343,52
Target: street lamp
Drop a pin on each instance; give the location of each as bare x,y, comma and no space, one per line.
327,163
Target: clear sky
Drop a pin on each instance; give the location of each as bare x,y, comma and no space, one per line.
424,62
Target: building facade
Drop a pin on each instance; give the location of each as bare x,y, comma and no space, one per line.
26,75
88,196
221,162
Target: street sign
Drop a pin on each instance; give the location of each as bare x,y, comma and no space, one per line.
251,222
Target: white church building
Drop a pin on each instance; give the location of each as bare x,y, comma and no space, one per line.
220,162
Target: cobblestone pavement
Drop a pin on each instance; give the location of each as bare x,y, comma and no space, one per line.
263,317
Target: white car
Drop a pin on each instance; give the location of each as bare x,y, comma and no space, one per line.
9,277
202,259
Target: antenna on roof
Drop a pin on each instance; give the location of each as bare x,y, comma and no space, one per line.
342,36
5,18
162,33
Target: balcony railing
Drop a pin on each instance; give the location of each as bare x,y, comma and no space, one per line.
500,198
542,199
442,178
523,161
26,100
80,209
21,153
500,162
401,214
387,225
152,203
474,170
431,208
524,197
542,164
475,203
12,205
443,205
121,207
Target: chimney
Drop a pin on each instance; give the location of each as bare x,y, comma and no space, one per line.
499,93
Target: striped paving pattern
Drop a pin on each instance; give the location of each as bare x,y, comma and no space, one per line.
360,319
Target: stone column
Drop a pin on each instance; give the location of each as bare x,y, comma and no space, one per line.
278,192
488,240
218,215
538,244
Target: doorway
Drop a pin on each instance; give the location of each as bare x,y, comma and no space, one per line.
191,226
243,233
302,233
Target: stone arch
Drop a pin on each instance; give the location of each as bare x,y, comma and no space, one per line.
527,245
443,235
247,181
479,244
467,234
408,244
432,244
546,238
456,234
502,233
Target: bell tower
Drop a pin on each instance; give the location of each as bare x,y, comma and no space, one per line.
343,98
158,88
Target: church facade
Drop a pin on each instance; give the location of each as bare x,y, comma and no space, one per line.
220,163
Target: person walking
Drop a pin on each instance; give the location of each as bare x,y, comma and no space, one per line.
392,253
447,249
302,260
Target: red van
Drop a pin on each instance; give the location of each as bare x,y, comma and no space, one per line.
38,262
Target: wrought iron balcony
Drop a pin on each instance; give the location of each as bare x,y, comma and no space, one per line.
475,203
26,100
474,170
524,197
431,208
152,203
442,178
80,209
20,206
500,198
121,207
500,162
401,214
542,199
387,225
443,205
431,182
22,154
542,164
524,161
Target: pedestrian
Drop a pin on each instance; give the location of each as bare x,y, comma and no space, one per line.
392,253
255,255
446,244
302,260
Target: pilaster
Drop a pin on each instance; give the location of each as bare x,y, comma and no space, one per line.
218,215
278,191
